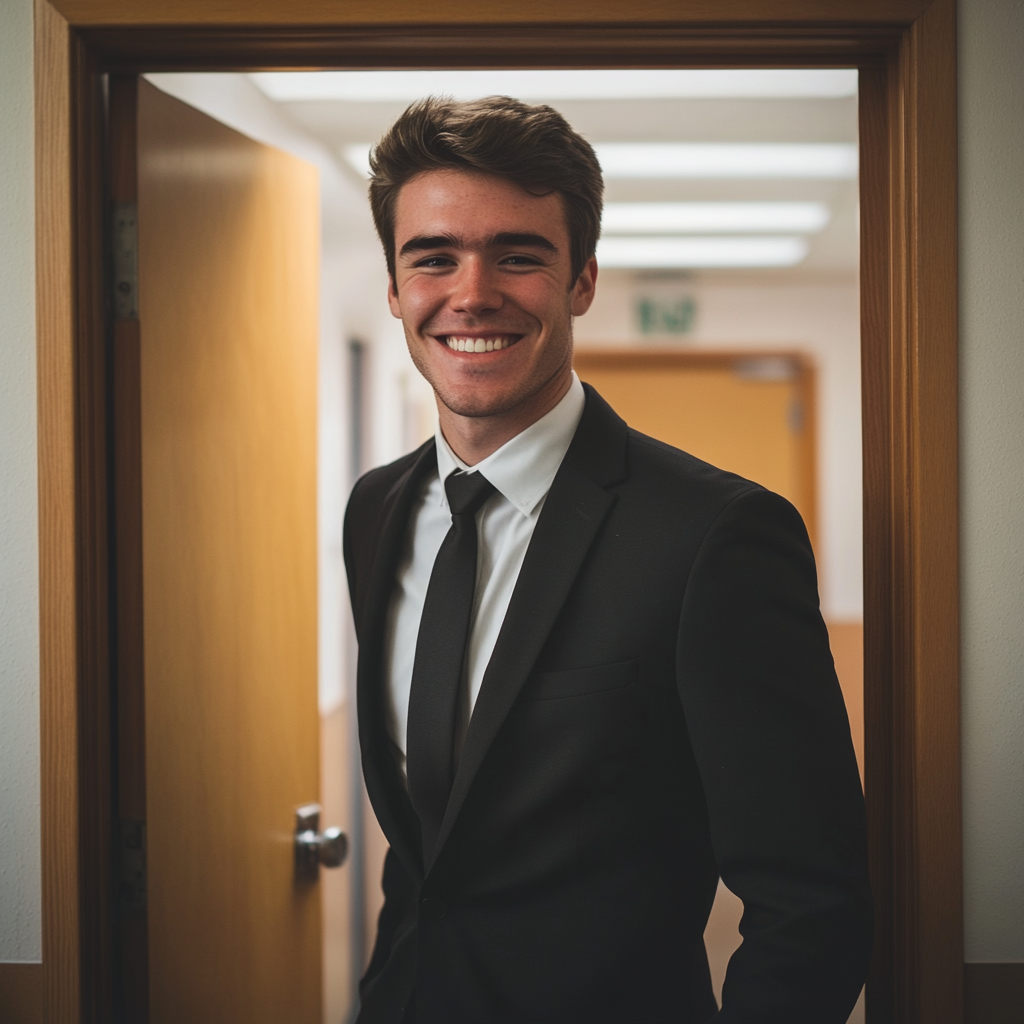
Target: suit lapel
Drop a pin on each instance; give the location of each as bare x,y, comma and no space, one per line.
383,781
573,512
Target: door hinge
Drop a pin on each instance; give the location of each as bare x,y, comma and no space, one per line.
125,249
131,863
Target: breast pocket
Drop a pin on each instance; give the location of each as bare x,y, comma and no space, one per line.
578,682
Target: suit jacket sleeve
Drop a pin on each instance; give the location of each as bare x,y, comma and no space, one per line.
769,729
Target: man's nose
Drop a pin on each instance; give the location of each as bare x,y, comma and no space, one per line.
476,289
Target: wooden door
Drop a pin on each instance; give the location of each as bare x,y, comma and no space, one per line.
215,404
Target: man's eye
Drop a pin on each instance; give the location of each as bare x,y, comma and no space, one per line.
519,260
436,261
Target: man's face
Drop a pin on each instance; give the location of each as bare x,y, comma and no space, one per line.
482,286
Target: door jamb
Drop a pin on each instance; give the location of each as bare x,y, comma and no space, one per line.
906,50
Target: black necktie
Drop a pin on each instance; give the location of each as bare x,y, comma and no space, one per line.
440,655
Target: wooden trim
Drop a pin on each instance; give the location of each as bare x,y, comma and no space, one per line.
74,669
307,14
59,623
92,370
132,955
911,589
993,993
906,52
881,382
932,594
21,993
810,440
136,49
625,357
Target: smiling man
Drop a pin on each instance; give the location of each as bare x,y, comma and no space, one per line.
593,676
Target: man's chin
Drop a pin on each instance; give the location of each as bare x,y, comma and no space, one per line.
482,394
498,388
481,407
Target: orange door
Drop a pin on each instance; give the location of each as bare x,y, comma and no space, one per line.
216,372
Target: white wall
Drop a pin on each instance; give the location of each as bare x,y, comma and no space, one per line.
992,473
820,317
20,906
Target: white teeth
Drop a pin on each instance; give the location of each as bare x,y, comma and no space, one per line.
477,344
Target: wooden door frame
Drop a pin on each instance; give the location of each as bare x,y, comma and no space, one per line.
906,50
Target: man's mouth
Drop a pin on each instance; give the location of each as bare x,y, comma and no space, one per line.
493,343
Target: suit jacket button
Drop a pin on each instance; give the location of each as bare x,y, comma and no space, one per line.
433,909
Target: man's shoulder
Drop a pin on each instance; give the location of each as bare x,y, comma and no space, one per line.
671,486
656,483
373,488
368,508
374,495
672,470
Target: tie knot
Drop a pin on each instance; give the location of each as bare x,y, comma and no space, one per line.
467,492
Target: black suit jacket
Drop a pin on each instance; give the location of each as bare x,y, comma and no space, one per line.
660,708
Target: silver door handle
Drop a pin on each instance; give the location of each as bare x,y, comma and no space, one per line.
313,847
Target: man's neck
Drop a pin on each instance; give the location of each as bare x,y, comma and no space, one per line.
473,438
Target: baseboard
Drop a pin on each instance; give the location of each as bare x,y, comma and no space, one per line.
993,993
21,993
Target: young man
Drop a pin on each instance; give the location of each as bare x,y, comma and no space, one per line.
592,671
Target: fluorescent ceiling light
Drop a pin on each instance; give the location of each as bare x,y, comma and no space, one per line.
699,159
673,218
727,160
658,253
617,84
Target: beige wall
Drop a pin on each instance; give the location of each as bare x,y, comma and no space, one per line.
992,473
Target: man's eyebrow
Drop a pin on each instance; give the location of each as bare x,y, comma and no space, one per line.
422,242
516,239
525,240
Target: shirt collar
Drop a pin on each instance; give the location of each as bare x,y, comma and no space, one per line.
523,468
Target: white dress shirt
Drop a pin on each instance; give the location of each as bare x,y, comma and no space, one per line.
521,471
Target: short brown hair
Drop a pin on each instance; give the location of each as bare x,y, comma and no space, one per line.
532,146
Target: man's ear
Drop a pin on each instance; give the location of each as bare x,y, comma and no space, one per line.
396,310
584,289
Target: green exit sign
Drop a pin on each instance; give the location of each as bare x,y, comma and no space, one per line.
658,315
